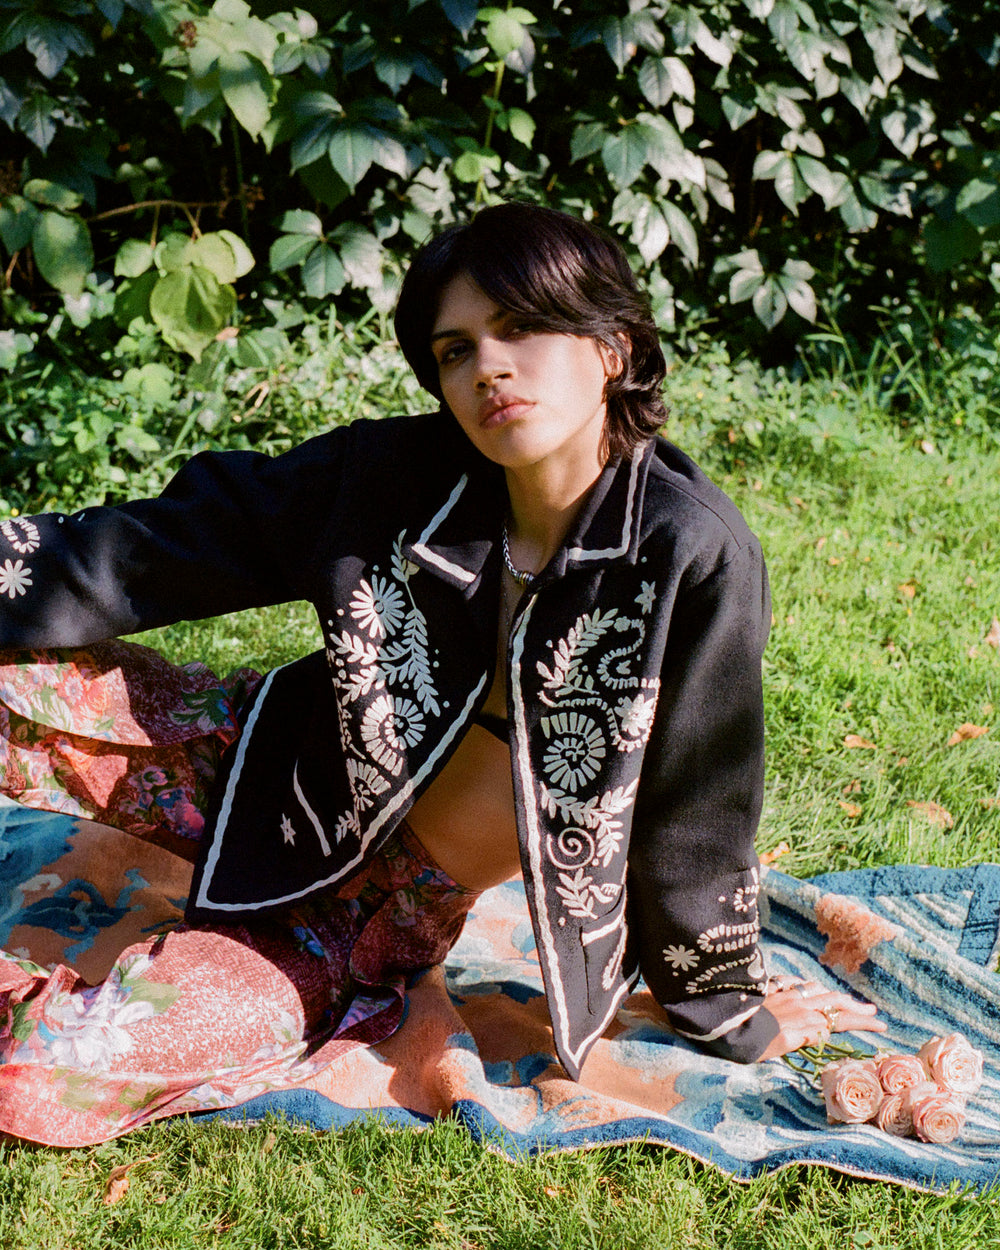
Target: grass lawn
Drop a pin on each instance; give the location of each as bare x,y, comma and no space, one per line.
884,558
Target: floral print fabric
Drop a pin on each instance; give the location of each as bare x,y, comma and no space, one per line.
200,1017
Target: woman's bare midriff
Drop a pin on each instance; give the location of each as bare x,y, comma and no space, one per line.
465,819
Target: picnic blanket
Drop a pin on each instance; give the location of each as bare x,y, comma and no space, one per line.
477,1044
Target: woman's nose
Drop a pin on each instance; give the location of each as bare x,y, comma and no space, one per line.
492,363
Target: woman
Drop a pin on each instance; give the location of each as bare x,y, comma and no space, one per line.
543,629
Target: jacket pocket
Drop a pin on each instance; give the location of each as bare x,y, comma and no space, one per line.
603,942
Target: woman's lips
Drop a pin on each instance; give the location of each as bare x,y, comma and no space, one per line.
501,409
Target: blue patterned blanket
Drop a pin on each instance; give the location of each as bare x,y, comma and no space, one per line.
476,1043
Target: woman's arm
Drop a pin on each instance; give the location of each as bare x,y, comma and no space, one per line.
231,530
693,871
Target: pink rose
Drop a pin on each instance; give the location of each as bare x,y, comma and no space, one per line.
952,1062
851,1090
938,1114
899,1072
894,1115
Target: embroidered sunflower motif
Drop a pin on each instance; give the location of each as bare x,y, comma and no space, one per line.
388,726
15,578
680,958
378,606
575,755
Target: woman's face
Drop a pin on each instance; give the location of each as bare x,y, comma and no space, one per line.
522,395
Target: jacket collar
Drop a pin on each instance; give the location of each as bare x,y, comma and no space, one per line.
459,538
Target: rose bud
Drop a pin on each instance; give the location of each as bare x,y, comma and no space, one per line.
899,1072
894,1116
952,1062
851,1090
938,1114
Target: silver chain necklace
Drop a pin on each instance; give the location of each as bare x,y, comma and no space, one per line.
518,575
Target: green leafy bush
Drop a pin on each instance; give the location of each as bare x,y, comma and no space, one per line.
182,173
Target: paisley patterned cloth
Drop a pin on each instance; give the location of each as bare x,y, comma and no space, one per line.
193,1018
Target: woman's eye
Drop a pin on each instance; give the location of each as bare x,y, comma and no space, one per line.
449,354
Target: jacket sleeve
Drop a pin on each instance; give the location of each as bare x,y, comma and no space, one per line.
693,872
232,530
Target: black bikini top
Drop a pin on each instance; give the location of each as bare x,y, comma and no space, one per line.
496,725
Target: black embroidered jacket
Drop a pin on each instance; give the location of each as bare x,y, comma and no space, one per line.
635,712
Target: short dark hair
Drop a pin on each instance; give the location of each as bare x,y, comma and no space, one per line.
568,277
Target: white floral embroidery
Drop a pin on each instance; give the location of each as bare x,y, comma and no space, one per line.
347,823
646,598
366,783
596,813
288,829
15,578
746,896
576,752
387,727
681,958
599,699
378,606
633,720
575,891
22,535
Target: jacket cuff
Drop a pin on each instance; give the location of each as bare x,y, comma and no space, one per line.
742,1039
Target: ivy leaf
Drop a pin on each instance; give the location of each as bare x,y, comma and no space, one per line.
660,78
587,139
352,151
222,253
461,13
682,232
906,127
521,125
505,29
395,70
52,194
290,249
624,155
738,110
618,41
35,120
322,273
979,202
245,85
831,184
361,254
133,258
63,251
190,306
769,303
301,221
17,222
312,143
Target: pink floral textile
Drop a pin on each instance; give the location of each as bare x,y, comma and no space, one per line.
194,1018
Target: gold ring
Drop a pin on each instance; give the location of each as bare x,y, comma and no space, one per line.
831,1015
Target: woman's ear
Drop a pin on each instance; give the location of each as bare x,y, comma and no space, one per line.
615,359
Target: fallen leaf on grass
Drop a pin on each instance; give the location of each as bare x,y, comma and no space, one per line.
989,803
852,787
992,638
908,589
853,810
768,857
116,1186
966,732
856,742
935,813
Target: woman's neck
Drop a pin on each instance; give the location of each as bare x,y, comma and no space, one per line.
544,503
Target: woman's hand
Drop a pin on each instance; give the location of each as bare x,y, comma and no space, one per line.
807,1014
